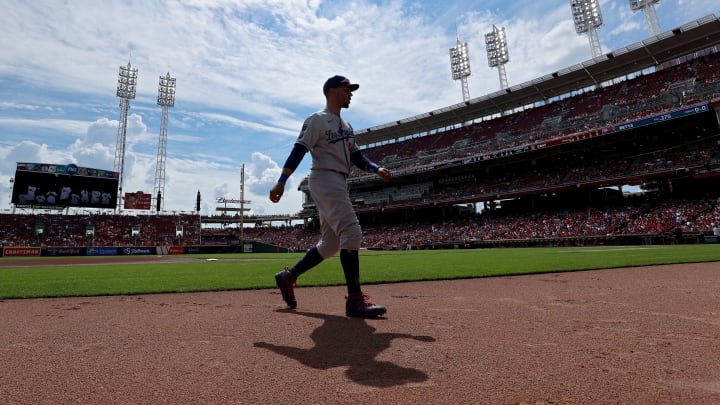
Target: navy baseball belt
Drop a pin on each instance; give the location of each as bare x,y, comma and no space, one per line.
330,170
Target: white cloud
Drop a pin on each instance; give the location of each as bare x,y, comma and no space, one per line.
64,127
103,131
25,151
18,106
263,172
223,118
95,155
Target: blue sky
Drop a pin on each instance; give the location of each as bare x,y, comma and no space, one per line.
249,72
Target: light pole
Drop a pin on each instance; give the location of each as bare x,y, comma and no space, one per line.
587,18
243,201
127,81
197,209
460,66
166,99
648,7
497,53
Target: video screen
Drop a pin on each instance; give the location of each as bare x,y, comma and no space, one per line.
48,185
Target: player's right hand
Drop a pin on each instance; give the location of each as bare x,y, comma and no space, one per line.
277,191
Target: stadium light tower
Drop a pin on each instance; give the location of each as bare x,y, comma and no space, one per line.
127,82
166,99
460,66
497,53
587,18
648,7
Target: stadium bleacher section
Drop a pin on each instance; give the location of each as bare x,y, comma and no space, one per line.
98,230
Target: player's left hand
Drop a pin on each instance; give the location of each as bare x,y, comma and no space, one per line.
384,174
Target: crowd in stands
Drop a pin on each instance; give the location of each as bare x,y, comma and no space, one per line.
561,171
590,112
633,217
98,230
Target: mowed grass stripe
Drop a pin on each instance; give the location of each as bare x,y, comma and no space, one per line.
254,271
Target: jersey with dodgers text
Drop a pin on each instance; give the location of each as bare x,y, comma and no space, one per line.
330,140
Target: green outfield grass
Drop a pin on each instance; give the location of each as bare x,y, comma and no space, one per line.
253,271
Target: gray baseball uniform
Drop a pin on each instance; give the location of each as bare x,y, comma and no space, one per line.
331,140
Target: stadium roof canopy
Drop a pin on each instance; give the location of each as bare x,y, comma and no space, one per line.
678,42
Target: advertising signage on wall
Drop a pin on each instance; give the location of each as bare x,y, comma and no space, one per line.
137,201
52,185
21,251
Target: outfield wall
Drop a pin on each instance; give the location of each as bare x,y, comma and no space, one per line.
51,251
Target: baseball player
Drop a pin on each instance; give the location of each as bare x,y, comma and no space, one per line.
331,143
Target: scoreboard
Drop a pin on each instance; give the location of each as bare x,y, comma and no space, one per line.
53,185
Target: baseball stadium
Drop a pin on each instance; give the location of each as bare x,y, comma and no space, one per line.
620,153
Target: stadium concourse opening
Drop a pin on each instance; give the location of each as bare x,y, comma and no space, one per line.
549,163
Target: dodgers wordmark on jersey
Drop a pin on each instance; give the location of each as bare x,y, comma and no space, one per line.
330,140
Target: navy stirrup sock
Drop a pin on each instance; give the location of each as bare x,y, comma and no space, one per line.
311,259
351,267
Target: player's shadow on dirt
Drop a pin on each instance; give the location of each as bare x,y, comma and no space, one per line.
351,342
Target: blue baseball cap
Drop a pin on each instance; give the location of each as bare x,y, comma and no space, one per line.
339,81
